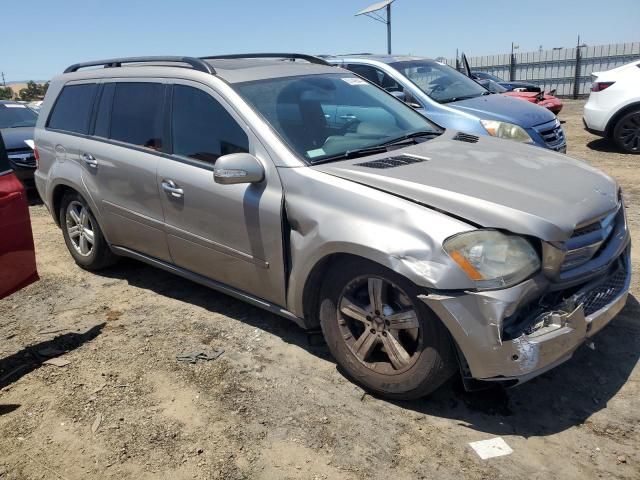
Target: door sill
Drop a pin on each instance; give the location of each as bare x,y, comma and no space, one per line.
207,282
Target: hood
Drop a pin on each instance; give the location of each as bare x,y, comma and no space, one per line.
505,109
493,183
14,137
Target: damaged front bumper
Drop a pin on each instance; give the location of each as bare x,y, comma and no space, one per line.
548,335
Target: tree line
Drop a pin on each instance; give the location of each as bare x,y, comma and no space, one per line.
33,91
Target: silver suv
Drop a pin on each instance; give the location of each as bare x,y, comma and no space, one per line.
305,190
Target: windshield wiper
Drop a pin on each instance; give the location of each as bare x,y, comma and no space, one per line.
358,152
464,97
409,136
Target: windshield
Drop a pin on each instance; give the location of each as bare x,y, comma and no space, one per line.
492,86
14,115
487,76
441,82
326,116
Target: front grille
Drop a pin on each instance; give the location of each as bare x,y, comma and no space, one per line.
587,240
23,157
391,162
605,293
552,134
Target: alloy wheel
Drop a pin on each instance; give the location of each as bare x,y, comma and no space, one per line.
379,324
629,133
80,228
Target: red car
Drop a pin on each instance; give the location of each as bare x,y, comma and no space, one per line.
17,253
546,100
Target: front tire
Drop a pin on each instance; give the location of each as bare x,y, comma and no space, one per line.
381,334
83,235
626,133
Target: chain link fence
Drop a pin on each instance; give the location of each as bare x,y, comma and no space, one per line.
568,70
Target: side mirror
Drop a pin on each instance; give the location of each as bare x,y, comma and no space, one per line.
238,168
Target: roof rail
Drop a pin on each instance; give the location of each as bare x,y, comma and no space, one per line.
286,56
196,63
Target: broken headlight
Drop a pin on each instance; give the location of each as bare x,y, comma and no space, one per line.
506,130
493,259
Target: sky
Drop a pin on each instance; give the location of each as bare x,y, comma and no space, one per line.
61,32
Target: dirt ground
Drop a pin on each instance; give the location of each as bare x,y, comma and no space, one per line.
274,405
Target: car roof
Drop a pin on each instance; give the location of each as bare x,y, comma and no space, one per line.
7,101
232,70
383,58
251,69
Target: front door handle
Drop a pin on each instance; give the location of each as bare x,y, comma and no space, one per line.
170,187
90,160
348,116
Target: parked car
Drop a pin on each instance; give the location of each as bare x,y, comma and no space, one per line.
17,254
305,190
455,101
543,99
507,85
613,108
16,125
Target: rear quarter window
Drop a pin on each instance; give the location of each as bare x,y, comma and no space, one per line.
72,109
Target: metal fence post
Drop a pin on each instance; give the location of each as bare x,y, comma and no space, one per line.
576,75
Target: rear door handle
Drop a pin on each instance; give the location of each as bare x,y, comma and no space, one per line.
170,187
348,116
90,160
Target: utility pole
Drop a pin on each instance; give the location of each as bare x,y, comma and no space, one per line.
389,29
4,84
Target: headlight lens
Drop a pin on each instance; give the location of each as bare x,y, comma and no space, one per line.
493,259
506,130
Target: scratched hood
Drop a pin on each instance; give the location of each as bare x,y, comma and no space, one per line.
493,183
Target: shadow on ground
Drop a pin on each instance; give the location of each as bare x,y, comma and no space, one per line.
32,357
603,145
555,401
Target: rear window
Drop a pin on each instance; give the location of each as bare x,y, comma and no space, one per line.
72,110
136,114
14,115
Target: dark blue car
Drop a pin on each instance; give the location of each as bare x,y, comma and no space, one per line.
455,101
508,85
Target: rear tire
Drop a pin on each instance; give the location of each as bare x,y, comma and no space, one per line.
83,235
384,338
626,133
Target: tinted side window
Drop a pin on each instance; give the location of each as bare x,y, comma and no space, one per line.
104,110
202,128
136,115
72,110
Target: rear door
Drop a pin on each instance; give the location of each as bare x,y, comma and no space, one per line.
229,233
120,161
17,254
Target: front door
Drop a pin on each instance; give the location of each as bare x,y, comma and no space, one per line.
120,164
229,233
17,257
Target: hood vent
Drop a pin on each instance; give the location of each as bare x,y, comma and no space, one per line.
465,137
392,162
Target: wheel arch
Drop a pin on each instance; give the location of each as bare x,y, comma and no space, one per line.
306,299
611,124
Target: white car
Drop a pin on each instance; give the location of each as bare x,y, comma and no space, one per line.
613,109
